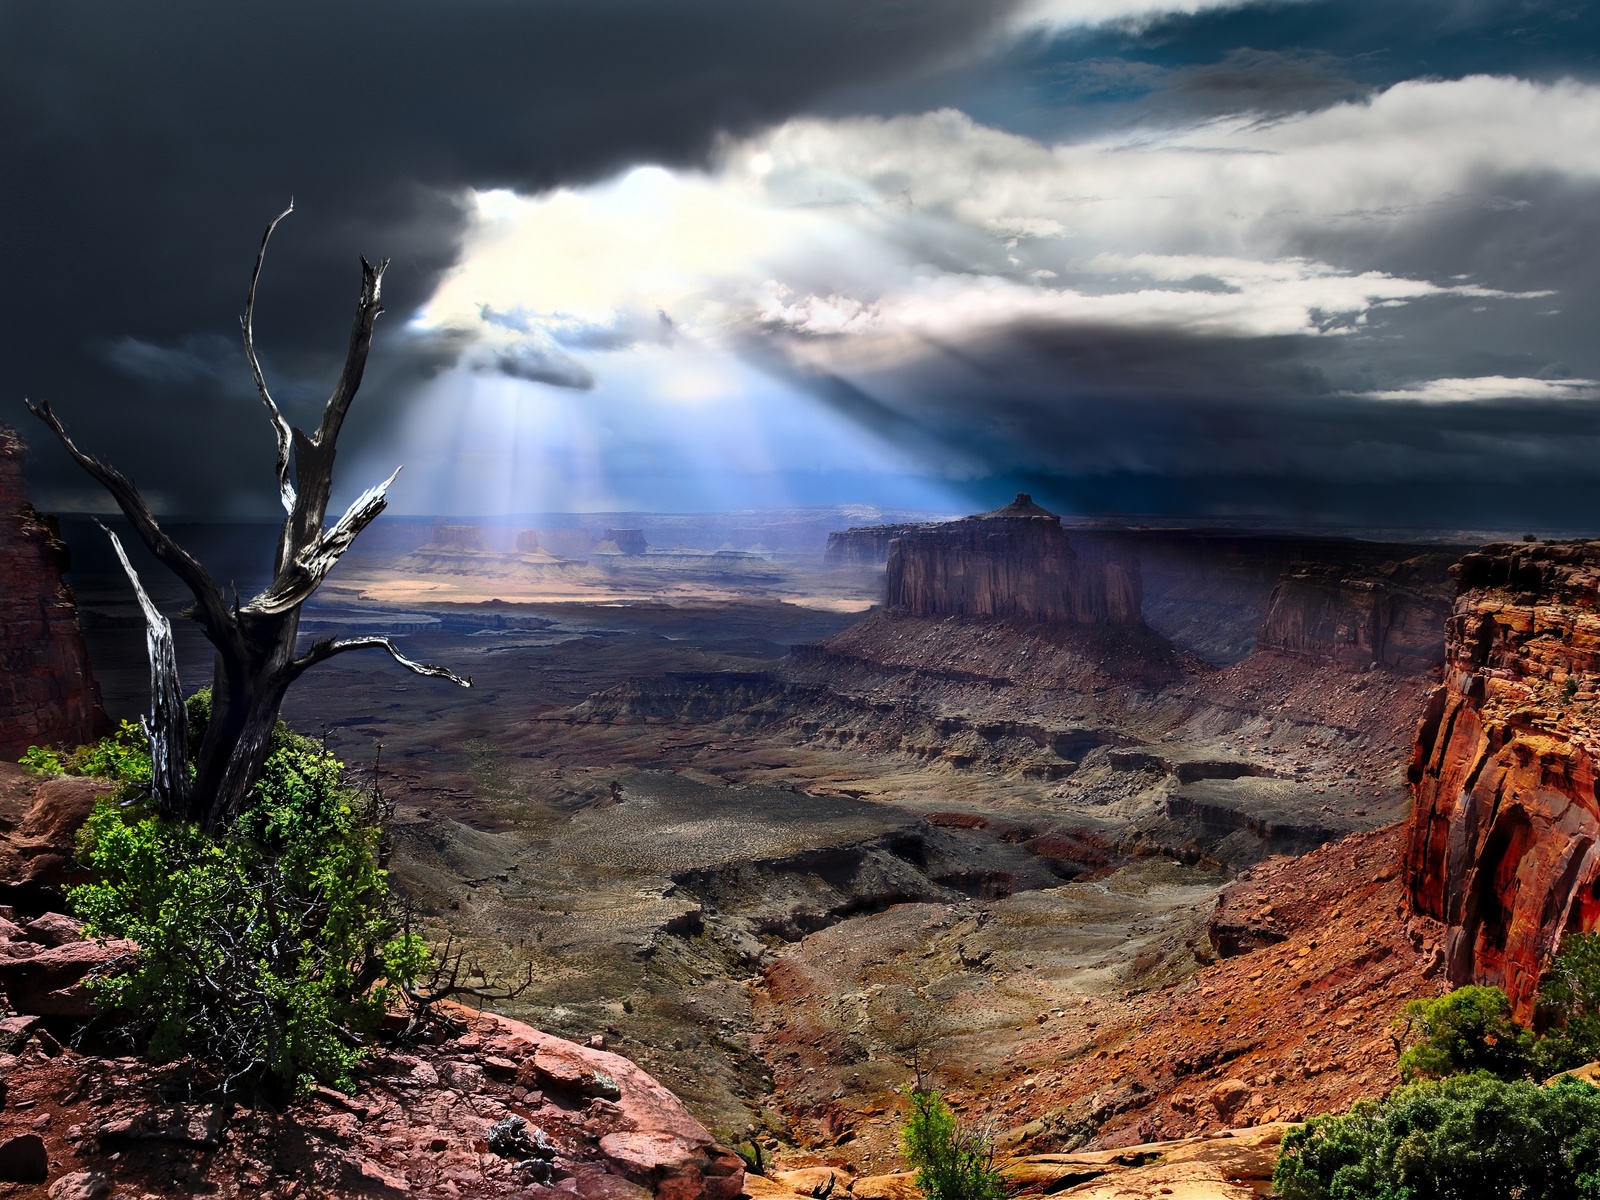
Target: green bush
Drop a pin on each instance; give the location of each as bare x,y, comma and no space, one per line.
1569,1005
123,756
952,1163
1469,1030
1461,1138
271,950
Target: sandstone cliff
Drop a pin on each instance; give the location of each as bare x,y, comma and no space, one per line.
1505,837
1013,562
1356,616
47,694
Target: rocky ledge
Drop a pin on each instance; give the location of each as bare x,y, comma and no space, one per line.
492,1108
485,1106
1504,844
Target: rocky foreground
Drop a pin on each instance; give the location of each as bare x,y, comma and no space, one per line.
483,1106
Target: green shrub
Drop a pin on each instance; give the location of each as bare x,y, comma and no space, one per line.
1569,1005
952,1162
123,756
271,950
1469,1030
1468,1136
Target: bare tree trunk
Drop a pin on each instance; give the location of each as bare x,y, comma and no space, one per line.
256,643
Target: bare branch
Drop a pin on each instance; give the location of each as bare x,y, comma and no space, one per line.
325,649
168,724
298,579
314,455
212,610
355,363
247,325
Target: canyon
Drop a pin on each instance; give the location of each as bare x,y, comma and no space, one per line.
1105,828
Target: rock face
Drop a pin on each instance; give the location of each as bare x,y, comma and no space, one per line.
1014,562
1505,836
38,820
865,545
490,1108
624,541
1356,617
47,694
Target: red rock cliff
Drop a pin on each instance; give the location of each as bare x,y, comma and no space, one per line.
1504,836
1013,562
1356,616
47,694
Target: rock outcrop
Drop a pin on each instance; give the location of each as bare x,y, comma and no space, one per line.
1015,562
1505,837
38,820
484,1106
491,1108
47,693
865,545
1357,616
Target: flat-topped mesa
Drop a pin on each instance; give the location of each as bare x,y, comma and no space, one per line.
1358,616
1013,562
1504,845
865,545
47,694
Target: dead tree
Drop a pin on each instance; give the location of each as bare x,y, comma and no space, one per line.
257,651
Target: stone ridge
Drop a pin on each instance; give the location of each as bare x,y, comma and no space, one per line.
1356,616
1014,562
47,693
1504,835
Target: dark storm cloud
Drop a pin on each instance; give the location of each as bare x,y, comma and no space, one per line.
147,145
1109,419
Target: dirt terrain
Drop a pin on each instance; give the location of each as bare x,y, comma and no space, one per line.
677,813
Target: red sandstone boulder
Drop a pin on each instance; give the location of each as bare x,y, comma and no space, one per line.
39,823
50,983
1504,844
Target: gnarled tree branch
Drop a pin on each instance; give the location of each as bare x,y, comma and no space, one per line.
326,648
211,609
167,726
297,580
280,424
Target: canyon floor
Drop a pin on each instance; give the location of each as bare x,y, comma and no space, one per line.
783,881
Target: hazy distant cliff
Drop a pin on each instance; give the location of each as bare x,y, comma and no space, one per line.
1013,562
1505,836
47,694
1357,616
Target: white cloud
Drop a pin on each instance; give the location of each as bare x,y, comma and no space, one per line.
1069,14
869,235
1491,387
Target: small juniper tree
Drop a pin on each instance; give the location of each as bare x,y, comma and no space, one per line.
257,642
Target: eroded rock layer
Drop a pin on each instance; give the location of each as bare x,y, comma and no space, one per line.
47,693
1503,837
1355,616
1013,562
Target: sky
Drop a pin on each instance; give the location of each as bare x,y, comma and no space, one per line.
1314,261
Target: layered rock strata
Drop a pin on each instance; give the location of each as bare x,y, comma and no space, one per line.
47,693
1014,562
1505,837
1356,617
